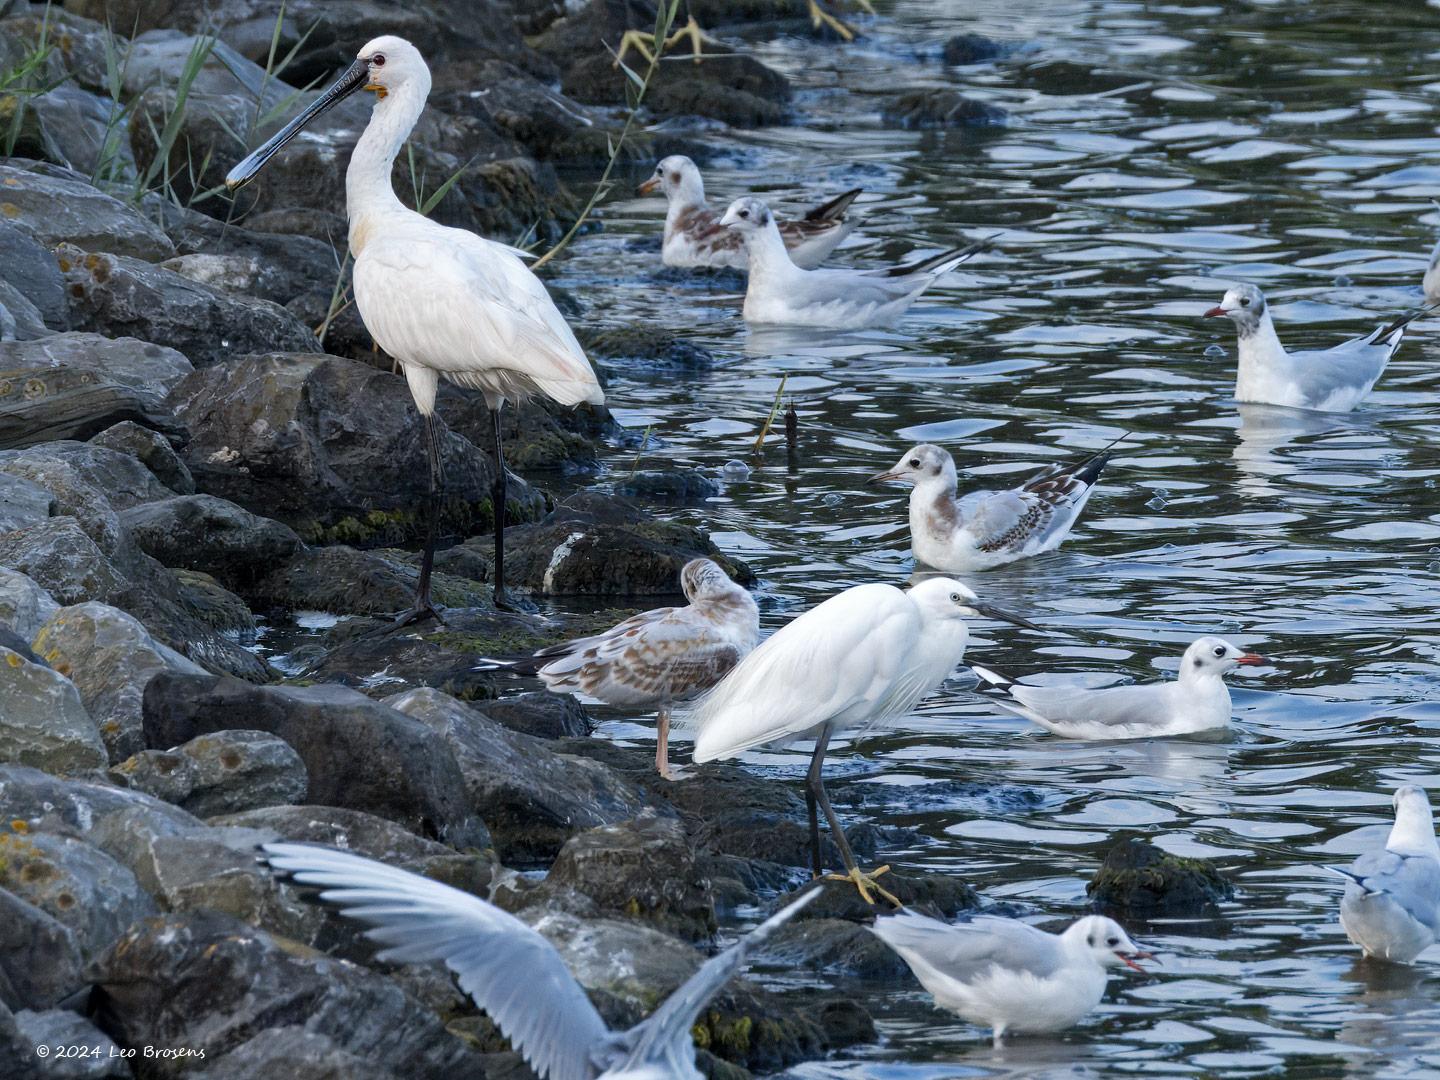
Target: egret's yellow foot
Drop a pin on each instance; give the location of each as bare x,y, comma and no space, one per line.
820,17
697,37
638,40
865,882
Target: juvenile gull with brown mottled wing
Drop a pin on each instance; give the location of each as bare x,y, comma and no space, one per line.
695,237
658,657
988,528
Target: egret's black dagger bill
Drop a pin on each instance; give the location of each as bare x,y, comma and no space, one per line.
353,78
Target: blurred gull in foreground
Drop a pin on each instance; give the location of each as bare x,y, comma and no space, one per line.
863,656
513,973
1198,700
989,528
781,292
1391,907
1006,975
695,237
1326,380
657,657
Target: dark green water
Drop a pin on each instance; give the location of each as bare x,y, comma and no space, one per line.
1156,153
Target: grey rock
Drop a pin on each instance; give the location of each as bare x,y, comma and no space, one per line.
1138,880
118,295
24,605
331,447
88,131
643,346
152,450
125,360
208,982
97,812
80,475
215,606
833,946
358,753
40,961
616,957
669,486
643,869
271,265
72,403
223,773
734,88
22,320
61,211
75,883
22,503
27,266
56,1028
202,532
111,657
296,1054
43,722
531,798
542,714
337,579
931,108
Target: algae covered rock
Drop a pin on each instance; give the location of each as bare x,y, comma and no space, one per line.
1138,880
43,722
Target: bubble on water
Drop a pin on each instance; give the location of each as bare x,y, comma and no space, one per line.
735,470
834,498
1158,501
1343,281
1433,567
1215,350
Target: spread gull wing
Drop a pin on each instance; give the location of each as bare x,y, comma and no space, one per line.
966,951
509,970
845,653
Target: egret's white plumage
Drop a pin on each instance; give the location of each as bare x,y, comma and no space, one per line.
1391,907
660,656
443,302
781,292
513,973
1325,380
695,237
989,528
1197,700
861,657
1006,975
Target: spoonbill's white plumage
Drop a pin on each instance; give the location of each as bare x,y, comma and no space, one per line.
443,302
861,657
1008,976
1391,907
660,656
513,973
1197,700
780,292
695,237
989,528
1326,380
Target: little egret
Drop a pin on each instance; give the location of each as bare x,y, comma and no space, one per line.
659,656
781,292
863,656
513,973
989,528
1391,907
441,301
1008,975
1198,700
1325,380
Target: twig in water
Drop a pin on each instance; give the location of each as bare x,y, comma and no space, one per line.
644,442
770,420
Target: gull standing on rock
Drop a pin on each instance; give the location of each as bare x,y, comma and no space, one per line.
441,301
863,656
989,528
1006,975
781,292
1324,380
1198,700
513,973
657,657
1391,907
695,237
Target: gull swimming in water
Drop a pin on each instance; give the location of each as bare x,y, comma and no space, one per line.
781,292
989,528
1431,284
513,973
1325,380
1198,700
695,237
1007,975
863,656
1391,907
444,302
658,657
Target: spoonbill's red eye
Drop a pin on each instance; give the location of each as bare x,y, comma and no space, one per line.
378,60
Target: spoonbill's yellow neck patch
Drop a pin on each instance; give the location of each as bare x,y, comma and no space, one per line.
379,90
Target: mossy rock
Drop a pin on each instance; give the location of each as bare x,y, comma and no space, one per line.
1141,881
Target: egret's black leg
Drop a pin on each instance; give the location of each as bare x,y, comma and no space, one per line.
815,787
812,781
424,607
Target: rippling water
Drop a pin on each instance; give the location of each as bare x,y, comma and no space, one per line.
1156,153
